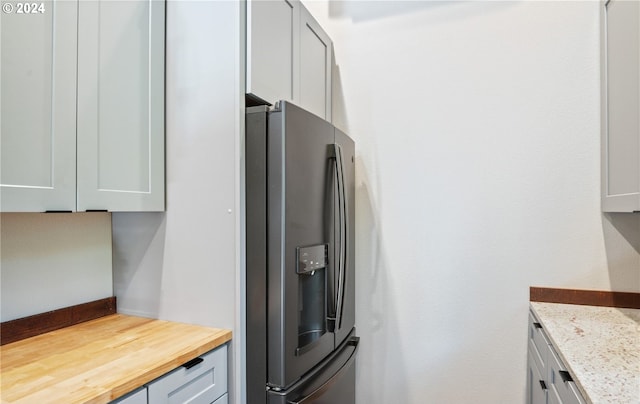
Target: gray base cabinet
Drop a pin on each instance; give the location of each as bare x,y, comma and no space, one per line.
202,380
562,388
222,400
620,58
136,397
548,381
289,56
82,111
536,386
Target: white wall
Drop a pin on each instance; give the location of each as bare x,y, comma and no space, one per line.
53,260
477,137
180,264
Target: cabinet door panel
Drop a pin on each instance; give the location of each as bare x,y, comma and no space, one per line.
621,103
38,109
202,383
536,386
315,67
272,49
553,378
538,343
121,105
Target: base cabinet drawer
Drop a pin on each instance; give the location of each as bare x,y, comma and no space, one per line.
562,388
200,381
135,397
548,380
538,343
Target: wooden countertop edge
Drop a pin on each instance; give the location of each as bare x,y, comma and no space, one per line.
164,368
144,336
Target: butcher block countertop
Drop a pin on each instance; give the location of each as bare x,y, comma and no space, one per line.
600,347
99,360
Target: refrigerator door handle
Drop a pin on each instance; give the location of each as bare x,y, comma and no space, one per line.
354,341
343,215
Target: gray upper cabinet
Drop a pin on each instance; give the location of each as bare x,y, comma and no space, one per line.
121,105
83,107
315,66
38,109
621,106
272,49
288,56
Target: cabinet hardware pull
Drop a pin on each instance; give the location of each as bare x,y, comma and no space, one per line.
543,385
192,363
566,377
537,325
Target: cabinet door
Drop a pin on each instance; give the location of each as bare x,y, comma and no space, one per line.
536,385
38,108
200,381
621,106
273,49
538,344
121,105
315,66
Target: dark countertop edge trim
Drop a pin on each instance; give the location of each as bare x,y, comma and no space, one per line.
26,327
621,300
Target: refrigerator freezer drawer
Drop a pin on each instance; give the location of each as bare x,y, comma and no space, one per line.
333,382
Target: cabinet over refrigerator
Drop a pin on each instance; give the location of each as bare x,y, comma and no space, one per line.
300,343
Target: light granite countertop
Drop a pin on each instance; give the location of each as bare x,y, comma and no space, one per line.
600,347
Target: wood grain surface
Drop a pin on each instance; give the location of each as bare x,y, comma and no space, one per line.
99,360
15,330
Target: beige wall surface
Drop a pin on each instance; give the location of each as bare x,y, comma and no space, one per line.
478,175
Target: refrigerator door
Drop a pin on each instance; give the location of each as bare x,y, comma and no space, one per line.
343,238
332,382
299,206
256,249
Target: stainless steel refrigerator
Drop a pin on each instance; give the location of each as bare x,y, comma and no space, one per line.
300,342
